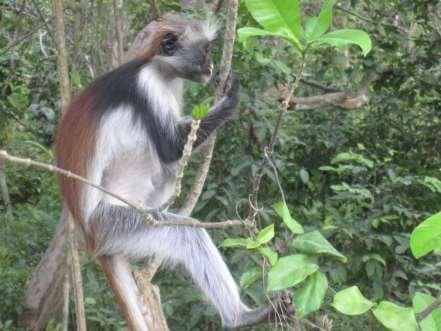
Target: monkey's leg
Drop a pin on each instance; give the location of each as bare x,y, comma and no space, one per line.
121,230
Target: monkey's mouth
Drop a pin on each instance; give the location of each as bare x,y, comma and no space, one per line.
206,72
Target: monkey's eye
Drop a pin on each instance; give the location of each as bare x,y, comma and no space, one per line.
169,43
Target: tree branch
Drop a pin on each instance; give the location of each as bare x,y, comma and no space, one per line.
208,148
253,197
146,213
119,32
344,99
63,69
426,312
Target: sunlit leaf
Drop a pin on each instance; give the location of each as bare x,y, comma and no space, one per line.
394,317
309,297
247,32
264,236
290,271
269,253
282,210
426,236
316,27
351,302
432,322
345,37
353,157
277,15
200,111
235,242
314,243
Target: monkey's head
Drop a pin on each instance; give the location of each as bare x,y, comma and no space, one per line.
182,48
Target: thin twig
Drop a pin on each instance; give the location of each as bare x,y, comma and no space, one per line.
253,205
426,312
186,154
146,213
23,38
319,85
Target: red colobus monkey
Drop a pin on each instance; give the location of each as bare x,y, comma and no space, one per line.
125,132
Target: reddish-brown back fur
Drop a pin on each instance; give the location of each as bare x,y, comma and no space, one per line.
75,147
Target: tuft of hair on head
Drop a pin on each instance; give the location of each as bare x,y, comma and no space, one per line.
210,27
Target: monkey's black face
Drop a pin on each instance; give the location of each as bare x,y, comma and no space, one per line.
187,59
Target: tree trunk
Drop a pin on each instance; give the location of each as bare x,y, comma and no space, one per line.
4,189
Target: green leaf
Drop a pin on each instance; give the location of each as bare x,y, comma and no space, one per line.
314,243
350,156
277,15
345,37
395,318
434,184
199,111
235,242
250,276
316,27
269,253
290,271
432,322
426,236
351,302
265,235
282,210
309,298
247,32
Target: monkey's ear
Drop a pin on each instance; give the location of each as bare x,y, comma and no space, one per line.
169,44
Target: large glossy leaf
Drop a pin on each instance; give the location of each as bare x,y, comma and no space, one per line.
314,243
309,298
282,210
432,322
426,236
351,302
277,15
317,26
345,37
247,32
395,318
290,271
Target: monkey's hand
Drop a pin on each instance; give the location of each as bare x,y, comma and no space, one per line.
231,95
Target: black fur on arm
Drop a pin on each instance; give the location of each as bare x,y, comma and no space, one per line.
221,112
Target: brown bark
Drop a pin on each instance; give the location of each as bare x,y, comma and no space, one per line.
118,32
344,99
4,190
63,68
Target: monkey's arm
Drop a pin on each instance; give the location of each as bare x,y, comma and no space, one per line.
218,115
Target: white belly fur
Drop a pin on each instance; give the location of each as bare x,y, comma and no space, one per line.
126,164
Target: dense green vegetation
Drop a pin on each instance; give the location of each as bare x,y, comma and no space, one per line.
364,178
